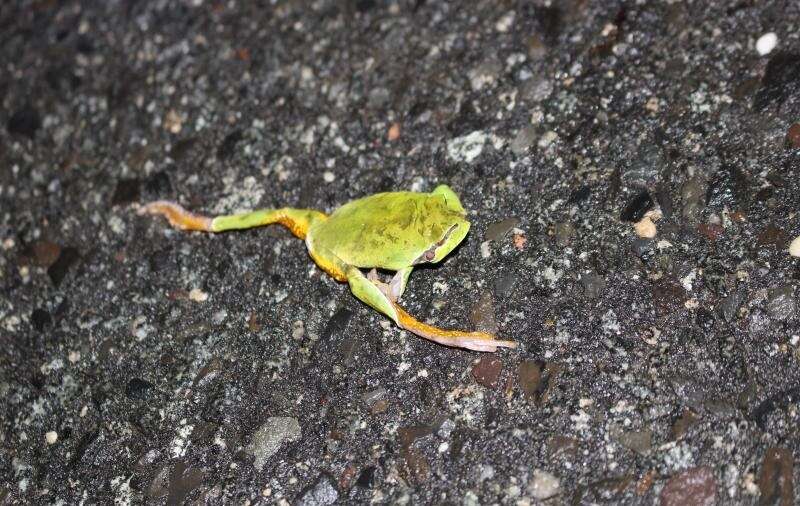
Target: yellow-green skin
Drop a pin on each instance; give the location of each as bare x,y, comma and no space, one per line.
392,231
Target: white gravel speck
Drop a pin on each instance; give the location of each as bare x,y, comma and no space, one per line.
329,177
198,295
766,43
51,437
794,247
543,485
467,147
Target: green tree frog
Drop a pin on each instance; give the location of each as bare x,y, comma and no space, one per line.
392,231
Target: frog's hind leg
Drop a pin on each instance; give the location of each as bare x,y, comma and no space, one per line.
369,292
296,220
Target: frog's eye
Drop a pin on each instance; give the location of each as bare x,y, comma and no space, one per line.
429,255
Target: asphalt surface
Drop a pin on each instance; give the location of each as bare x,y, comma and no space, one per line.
631,175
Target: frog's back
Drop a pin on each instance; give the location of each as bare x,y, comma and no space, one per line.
385,230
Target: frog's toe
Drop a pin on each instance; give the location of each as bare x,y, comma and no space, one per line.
177,216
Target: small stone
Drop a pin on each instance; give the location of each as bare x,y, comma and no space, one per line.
482,314
137,388
593,285
329,177
637,207
467,147
394,132
543,485
547,139
58,271
51,437
519,241
775,480
198,295
793,136
638,441
645,228
781,303
729,307
536,89
320,493
564,232
682,425
693,194
270,436
25,121
794,247
367,477
499,229
126,192
766,43
45,253
376,400
41,319
523,140
645,166
416,467
173,121
487,371
529,375
695,486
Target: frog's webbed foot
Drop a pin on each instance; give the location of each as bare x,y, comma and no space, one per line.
177,216
477,341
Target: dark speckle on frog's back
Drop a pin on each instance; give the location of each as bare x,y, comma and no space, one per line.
385,230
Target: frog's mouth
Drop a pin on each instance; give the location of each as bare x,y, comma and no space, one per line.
430,254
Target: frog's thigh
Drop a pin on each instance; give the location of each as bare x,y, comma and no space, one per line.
367,292
328,262
398,283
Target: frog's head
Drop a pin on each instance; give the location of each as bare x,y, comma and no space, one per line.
451,225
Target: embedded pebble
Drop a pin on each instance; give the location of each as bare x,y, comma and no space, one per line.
766,43
593,285
321,493
499,229
523,140
775,480
487,371
543,485
793,136
270,436
51,437
198,295
781,302
645,228
482,314
467,147
637,207
794,247
696,486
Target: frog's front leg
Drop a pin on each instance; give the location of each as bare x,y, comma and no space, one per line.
369,292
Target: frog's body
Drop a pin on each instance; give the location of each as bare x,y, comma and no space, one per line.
357,231
392,231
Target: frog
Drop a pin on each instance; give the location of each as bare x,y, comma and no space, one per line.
391,231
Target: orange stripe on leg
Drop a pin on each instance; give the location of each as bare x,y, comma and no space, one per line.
477,341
